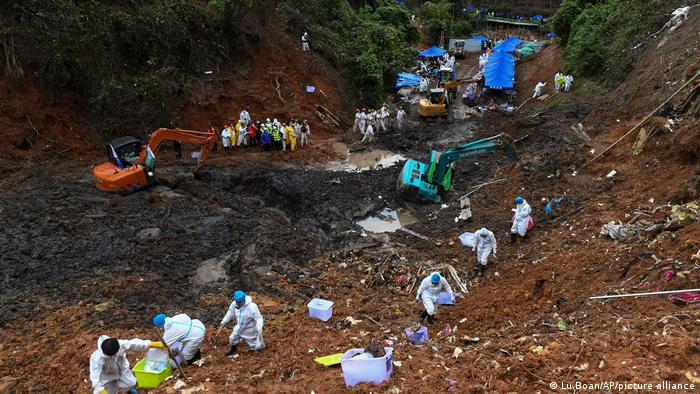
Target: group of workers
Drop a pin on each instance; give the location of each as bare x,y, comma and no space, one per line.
562,82
484,245
182,338
271,135
367,121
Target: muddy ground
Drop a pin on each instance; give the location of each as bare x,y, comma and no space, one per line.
77,263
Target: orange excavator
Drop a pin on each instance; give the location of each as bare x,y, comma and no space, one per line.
131,165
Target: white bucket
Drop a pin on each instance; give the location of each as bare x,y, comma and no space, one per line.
359,370
320,309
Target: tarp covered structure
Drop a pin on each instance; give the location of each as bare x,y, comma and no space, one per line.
407,79
538,17
500,71
433,52
480,38
508,45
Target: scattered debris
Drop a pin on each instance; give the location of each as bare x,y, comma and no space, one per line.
457,352
179,384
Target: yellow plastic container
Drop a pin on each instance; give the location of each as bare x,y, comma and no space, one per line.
151,380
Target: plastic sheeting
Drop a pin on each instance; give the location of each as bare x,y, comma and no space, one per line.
432,52
508,45
480,38
500,71
407,79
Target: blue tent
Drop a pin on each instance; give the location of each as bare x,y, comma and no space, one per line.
500,71
480,38
538,17
508,45
432,52
407,79
551,34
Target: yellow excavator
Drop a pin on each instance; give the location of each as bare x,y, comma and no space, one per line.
440,100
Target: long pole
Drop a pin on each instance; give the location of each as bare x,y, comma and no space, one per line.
170,353
604,297
642,122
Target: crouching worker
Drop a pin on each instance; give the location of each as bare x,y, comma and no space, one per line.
182,335
109,368
429,291
249,323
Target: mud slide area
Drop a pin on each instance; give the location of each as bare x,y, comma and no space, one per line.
77,263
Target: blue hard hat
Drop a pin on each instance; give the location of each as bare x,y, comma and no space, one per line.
435,278
239,296
159,320
519,200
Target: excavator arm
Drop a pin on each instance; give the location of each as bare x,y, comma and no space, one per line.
474,148
113,177
205,139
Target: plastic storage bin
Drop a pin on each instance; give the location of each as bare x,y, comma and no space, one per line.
445,298
320,309
417,337
359,370
150,380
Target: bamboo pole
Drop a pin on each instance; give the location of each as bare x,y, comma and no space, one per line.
604,297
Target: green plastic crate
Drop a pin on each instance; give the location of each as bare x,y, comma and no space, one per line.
151,380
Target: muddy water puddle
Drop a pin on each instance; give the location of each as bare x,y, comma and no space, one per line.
364,160
386,221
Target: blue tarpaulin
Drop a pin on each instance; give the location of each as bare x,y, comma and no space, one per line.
480,38
407,79
500,71
432,52
508,45
538,17
551,34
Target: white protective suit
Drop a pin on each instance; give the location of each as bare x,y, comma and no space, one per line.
557,87
356,126
363,122
484,244
430,292
226,137
189,332
400,115
538,89
112,373
244,118
522,219
242,136
384,119
568,82
369,134
249,324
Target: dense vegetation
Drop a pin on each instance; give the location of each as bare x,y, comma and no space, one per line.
134,62
372,43
601,35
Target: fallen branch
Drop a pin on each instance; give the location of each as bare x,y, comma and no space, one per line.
453,273
374,321
278,88
415,234
477,187
524,102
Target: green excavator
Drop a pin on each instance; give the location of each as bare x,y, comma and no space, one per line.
430,182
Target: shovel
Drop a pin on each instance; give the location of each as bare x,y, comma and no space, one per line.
170,353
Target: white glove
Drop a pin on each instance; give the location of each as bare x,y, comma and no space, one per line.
223,323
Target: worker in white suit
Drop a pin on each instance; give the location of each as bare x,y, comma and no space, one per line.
484,244
429,291
109,367
249,322
521,221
